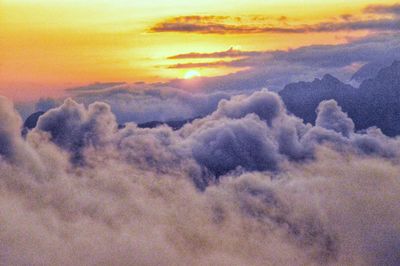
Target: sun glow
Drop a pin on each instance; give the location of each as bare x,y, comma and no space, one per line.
192,74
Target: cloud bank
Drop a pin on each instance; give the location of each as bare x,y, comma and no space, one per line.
249,184
152,102
380,21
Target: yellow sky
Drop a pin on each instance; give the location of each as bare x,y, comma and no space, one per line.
46,46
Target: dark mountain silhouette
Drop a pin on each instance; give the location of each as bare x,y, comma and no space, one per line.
302,98
369,70
375,103
175,125
31,122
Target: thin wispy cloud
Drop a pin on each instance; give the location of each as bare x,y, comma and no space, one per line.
230,53
201,65
95,87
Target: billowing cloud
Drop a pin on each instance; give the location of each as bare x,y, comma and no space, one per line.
9,128
266,106
330,116
72,127
248,184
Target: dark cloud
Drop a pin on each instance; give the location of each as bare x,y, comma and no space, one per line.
383,9
220,28
222,147
72,127
210,25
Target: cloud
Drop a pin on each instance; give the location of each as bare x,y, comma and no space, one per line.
227,25
248,184
44,104
152,102
98,86
265,105
137,194
200,65
222,147
9,128
383,9
72,127
330,116
219,28
231,53
334,56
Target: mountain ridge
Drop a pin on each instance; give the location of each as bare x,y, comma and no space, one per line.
376,102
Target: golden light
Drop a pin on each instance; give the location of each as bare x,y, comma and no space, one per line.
192,74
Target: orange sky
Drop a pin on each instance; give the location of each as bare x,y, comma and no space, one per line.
46,46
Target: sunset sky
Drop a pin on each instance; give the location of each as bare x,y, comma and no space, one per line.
47,46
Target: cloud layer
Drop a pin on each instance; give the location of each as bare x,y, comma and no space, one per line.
261,25
248,184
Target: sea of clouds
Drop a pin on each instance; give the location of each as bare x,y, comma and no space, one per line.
248,184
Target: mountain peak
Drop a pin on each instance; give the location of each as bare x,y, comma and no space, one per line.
330,78
390,73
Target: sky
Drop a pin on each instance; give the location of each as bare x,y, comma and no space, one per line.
48,46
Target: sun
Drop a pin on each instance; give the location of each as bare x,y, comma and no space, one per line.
192,74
